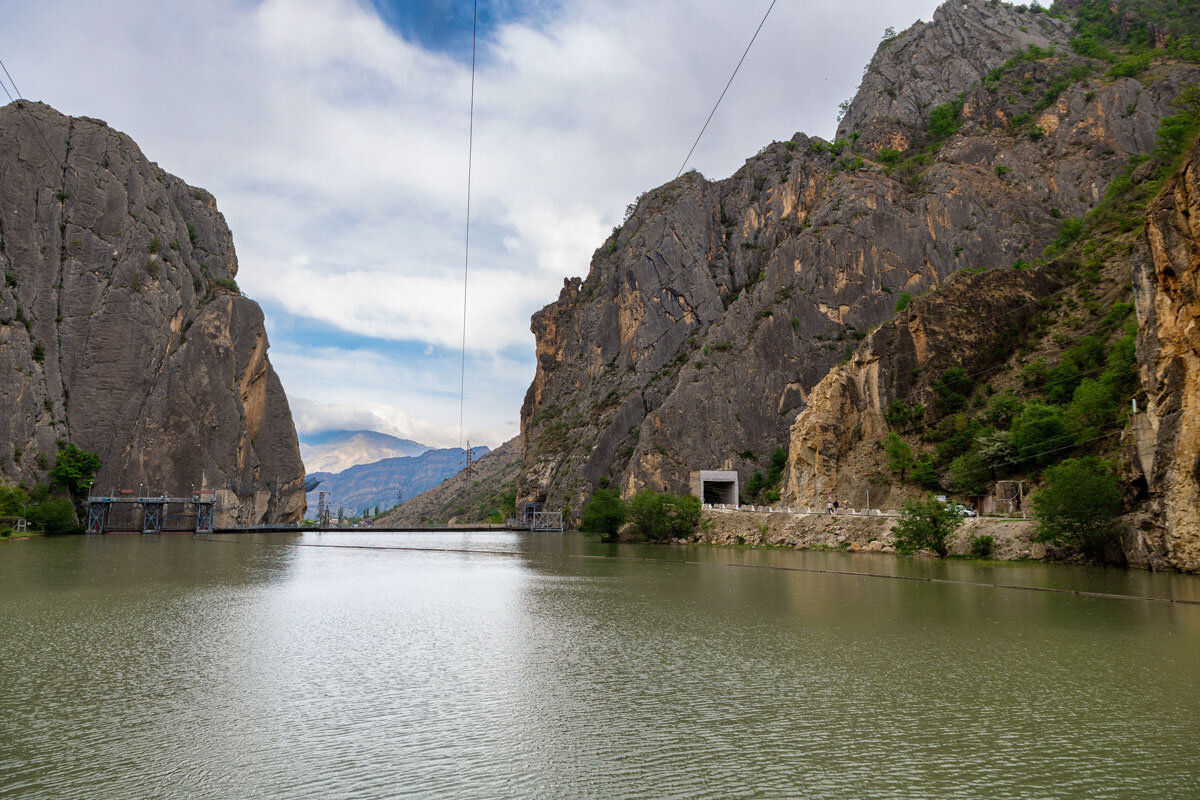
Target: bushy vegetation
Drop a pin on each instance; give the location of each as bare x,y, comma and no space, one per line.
766,487
604,514
1079,506
656,516
926,524
74,470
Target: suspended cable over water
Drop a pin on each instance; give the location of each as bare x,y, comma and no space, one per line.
462,376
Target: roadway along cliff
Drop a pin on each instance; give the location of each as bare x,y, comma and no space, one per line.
122,330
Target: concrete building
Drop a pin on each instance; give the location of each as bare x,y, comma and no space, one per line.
715,486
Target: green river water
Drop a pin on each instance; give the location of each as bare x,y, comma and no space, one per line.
329,666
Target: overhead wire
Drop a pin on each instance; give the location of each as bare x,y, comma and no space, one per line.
694,563
36,128
462,376
726,89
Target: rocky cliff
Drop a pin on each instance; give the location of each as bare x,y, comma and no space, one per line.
833,442
1167,280
707,318
122,330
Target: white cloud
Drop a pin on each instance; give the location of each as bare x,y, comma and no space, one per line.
337,149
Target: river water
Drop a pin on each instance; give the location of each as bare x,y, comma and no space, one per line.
329,666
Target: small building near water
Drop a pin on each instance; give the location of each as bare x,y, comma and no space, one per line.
715,486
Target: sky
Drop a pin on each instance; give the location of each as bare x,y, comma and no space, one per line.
334,135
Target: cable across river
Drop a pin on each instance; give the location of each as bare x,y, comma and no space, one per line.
691,562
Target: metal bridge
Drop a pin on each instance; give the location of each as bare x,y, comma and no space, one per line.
151,514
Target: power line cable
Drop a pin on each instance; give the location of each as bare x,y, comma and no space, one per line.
36,129
726,89
686,562
462,376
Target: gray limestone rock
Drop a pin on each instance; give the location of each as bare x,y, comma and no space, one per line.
708,317
121,329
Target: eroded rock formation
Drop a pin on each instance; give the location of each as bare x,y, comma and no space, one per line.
1168,433
121,329
832,448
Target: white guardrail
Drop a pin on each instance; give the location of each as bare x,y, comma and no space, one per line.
841,512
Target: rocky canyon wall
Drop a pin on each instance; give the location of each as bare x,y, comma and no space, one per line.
122,331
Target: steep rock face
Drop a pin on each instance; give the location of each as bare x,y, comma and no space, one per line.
116,334
711,313
1168,305
931,62
832,447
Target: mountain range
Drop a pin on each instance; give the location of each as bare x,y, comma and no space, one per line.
337,450
365,486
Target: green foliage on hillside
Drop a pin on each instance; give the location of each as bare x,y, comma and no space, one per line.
765,488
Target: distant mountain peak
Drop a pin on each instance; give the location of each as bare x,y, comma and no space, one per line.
338,450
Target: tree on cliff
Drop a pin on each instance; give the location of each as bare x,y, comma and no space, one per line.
926,524
74,470
1079,505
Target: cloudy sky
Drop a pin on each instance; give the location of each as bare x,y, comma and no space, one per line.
334,136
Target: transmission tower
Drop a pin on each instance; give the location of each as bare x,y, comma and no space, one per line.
323,509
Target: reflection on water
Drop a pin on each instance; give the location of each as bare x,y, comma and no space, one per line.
253,667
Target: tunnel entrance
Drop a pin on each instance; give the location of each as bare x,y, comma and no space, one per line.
715,486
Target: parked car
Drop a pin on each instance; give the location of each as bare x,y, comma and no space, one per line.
962,510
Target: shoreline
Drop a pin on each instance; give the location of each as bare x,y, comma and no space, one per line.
1013,539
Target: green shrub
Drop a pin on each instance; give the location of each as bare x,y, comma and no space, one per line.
1092,409
945,120
969,474
74,470
55,516
1079,506
889,155
658,515
603,513
1002,170
228,284
926,524
1039,432
982,544
12,500
1002,409
1088,46
902,301
952,388
1129,66
39,352
899,454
